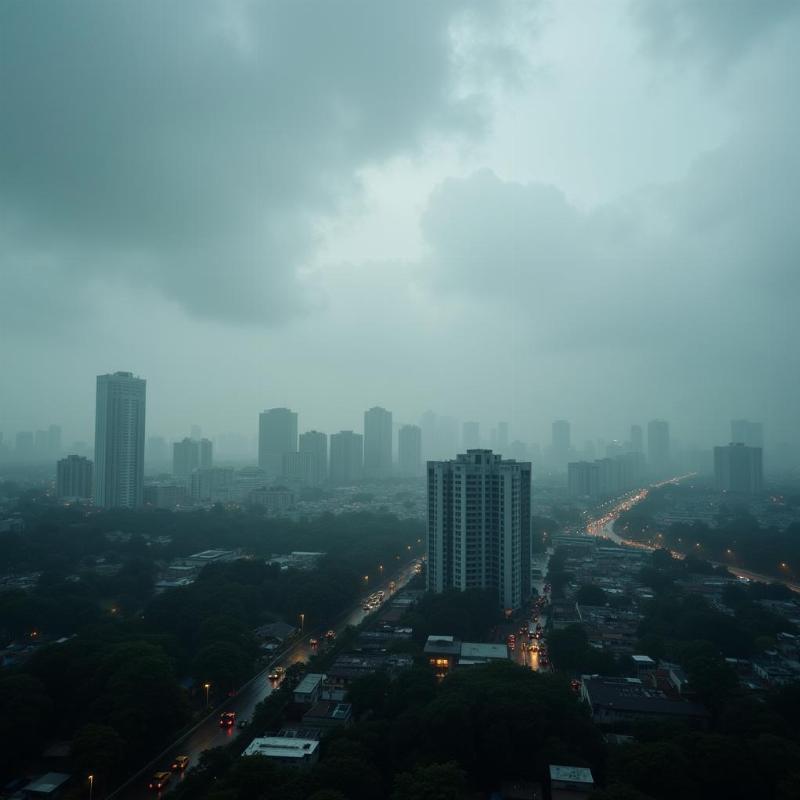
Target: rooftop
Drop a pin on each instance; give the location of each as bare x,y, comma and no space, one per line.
571,774
281,747
310,682
480,650
443,644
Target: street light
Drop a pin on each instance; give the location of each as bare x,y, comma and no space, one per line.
206,686
302,622
91,786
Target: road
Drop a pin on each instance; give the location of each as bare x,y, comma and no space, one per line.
208,734
604,526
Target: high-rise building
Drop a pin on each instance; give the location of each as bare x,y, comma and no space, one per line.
471,435
316,445
427,423
446,437
637,439
156,451
409,451
205,454
377,443
296,468
583,479
277,434
119,441
74,477
347,458
24,449
745,432
185,458
479,519
658,455
738,468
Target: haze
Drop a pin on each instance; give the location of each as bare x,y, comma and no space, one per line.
498,211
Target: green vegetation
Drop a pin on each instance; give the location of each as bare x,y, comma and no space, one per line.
114,687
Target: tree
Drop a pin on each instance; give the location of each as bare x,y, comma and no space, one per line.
98,750
591,595
433,782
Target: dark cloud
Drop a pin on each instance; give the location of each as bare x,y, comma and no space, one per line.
189,146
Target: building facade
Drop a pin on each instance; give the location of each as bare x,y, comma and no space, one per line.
347,458
119,441
74,477
277,434
316,445
738,468
378,443
479,518
409,451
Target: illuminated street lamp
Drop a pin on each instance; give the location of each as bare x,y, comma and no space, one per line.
206,686
302,622
91,786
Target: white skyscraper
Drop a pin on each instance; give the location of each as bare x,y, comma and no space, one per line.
479,517
119,441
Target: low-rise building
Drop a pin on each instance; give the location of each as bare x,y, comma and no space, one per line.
614,700
290,751
327,714
308,690
569,783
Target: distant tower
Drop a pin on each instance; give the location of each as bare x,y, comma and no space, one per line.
74,477
347,458
658,455
562,443
377,443
185,458
409,451
738,468
119,441
479,514
471,435
316,444
637,439
206,454
277,434
502,436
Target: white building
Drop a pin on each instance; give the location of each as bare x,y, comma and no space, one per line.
119,441
291,751
479,514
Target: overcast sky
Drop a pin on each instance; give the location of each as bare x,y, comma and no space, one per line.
518,211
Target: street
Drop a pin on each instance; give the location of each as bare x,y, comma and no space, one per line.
208,734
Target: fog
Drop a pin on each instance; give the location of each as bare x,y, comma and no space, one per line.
498,211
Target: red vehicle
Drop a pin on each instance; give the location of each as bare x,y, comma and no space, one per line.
227,719
313,642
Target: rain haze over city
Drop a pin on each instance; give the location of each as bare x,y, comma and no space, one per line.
399,399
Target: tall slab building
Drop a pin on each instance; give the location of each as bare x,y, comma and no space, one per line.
479,522
377,443
347,458
277,434
119,441
409,451
316,444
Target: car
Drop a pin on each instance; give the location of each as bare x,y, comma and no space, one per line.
330,635
313,642
180,762
159,780
227,719
274,675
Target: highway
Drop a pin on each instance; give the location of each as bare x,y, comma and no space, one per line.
603,526
208,734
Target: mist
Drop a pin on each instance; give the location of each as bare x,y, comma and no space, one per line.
500,212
